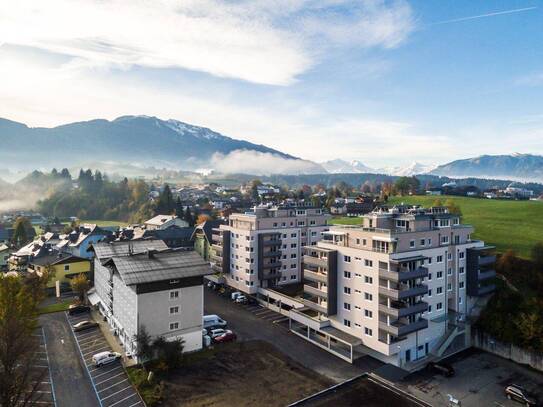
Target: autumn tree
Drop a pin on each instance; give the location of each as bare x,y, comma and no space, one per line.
453,207
144,346
20,233
80,285
202,218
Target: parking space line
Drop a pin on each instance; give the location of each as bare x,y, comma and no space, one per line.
135,404
96,350
113,385
126,398
108,379
87,334
117,392
90,339
109,371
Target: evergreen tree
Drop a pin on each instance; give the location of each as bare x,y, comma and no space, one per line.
188,217
20,234
179,208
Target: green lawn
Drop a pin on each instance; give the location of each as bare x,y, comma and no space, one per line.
60,306
105,222
513,225
344,220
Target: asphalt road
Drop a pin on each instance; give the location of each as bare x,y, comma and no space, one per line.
70,378
250,322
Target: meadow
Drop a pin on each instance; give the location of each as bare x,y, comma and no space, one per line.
516,225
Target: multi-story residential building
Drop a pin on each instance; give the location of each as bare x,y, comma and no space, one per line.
400,287
263,247
145,284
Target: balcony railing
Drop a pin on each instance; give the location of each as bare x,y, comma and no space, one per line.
401,293
486,260
216,268
315,291
402,275
485,275
399,312
271,242
398,328
274,253
271,265
314,306
313,276
315,261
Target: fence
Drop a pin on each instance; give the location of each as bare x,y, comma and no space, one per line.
489,344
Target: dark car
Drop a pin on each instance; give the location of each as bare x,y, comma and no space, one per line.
441,368
518,393
84,325
75,309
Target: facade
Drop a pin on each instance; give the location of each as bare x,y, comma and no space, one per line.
146,284
164,222
78,241
4,256
203,237
63,267
401,287
263,247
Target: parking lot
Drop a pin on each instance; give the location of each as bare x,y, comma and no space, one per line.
110,382
44,394
480,380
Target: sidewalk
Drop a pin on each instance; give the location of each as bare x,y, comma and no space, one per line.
111,339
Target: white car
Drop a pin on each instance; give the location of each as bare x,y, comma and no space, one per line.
103,358
214,333
240,299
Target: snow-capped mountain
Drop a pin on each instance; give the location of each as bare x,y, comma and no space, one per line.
339,166
414,168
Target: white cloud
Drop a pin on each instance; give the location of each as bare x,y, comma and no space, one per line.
266,42
534,79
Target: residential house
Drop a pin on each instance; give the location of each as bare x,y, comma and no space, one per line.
62,266
4,256
78,241
202,237
165,221
145,284
19,260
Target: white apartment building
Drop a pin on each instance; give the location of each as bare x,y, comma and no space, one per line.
263,247
146,284
400,287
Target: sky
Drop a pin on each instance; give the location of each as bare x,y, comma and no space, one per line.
384,82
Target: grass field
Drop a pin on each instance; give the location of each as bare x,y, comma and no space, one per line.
56,307
105,222
516,225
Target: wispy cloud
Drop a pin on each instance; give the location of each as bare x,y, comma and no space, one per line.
497,13
266,42
533,79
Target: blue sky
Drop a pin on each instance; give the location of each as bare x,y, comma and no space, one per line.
385,82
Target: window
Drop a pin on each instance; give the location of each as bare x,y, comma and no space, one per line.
346,322
347,306
174,326
293,255
461,270
411,243
422,242
449,256
439,290
429,276
368,280
430,292
449,271
368,296
347,274
293,277
293,246
429,242
174,310
293,235
66,267
174,295
429,260
368,331
429,308
358,241
364,242
347,290
460,300
439,274
368,313
461,255
461,284
439,259
449,287
439,306
368,263
293,266
347,259
444,239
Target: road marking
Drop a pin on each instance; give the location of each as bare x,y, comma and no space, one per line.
117,392
113,385
85,335
97,350
90,339
109,378
135,404
135,394
109,371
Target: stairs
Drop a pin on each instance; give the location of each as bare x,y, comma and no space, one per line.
448,338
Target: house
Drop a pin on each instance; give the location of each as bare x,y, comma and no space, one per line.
18,261
165,221
4,256
174,236
338,209
202,237
145,284
62,266
78,241
434,191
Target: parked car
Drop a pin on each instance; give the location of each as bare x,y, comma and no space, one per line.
518,393
235,295
441,368
83,325
213,321
75,309
103,358
241,299
214,333
226,337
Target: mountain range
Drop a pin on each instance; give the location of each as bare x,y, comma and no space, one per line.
149,142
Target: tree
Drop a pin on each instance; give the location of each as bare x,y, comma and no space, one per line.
144,346
437,202
202,218
530,329
80,285
188,217
179,208
165,203
20,235
405,185
19,378
453,207
169,352
537,256
506,263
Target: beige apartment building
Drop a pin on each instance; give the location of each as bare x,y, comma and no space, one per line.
401,287
263,247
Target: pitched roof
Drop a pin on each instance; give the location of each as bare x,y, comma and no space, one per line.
160,266
3,247
125,248
207,227
159,220
55,258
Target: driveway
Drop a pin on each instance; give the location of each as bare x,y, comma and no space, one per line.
255,322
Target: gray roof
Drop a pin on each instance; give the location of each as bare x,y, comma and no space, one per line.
125,248
166,265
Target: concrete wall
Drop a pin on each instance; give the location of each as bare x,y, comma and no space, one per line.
487,343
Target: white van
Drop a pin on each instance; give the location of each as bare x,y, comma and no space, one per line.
213,321
235,295
103,358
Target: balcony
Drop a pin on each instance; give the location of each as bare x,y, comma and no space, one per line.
398,328
217,247
270,275
274,253
216,268
402,293
271,265
315,291
269,243
313,276
315,261
399,311
215,258
402,275
314,306
486,289
486,260
217,237
485,275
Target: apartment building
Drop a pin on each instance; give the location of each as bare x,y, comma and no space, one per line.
400,287
263,247
145,284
